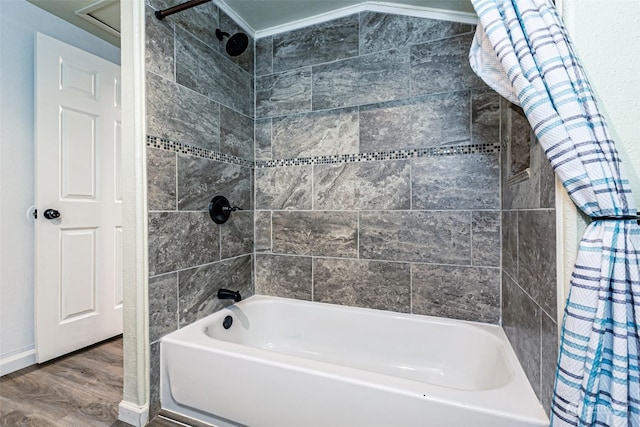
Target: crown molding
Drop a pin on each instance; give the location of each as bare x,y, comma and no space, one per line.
368,6
223,6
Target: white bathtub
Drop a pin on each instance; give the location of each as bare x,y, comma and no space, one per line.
287,363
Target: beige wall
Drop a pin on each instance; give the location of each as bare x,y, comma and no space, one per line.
606,35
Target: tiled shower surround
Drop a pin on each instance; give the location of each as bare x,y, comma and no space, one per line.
529,294
200,122
366,156
357,200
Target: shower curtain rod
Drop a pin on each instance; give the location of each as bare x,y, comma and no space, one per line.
161,14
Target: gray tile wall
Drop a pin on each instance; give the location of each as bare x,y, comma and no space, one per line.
529,255
430,235
200,98
418,235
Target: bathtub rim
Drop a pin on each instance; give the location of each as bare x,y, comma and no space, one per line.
490,401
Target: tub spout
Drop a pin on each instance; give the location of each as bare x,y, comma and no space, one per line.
227,294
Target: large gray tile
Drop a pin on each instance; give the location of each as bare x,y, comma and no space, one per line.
537,256
252,190
315,233
504,119
284,187
262,238
362,283
485,242
244,60
201,21
470,181
510,243
283,93
468,293
158,46
519,140
435,120
521,323
200,179
284,276
236,134
523,193
387,126
522,152
163,305
438,237
181,115
262,143
237,235
382,31
204,70
315,44
154,380
547,181
485,116
161,180
180,240
197,287
442,66
377,77
371,185
441,119
264,56
548,361
322,133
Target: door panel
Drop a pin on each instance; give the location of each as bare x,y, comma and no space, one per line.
75,78
78,273
78,149
117,279
78,255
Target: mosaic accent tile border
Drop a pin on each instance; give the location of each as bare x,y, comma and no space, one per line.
178,147
414,153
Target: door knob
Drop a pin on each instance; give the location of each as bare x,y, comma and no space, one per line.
51,214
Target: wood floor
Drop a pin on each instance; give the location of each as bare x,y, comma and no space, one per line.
82,389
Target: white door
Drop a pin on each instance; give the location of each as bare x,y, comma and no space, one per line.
78,289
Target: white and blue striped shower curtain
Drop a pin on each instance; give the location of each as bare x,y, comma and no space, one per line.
522,50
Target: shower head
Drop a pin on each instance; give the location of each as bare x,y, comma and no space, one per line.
236,44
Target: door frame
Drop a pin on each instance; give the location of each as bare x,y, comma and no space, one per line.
134,407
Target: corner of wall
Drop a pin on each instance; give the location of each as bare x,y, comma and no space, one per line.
134,214
137,416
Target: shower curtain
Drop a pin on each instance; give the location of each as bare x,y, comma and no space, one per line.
522,50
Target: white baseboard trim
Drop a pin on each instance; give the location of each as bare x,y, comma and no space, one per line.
137,416
14,362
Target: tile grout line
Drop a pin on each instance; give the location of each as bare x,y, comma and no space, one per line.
313,282
413,100
177,186
471,238
411,165
361,54
411,288
540,351
358,236
387,261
